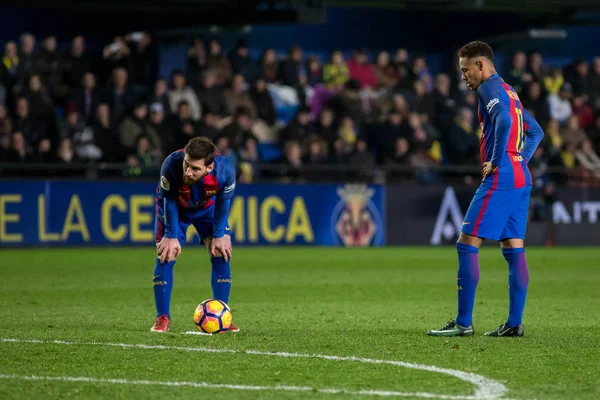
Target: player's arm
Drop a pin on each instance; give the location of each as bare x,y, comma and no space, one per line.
497,105
223,202
533,135
169,193
169,248
219,244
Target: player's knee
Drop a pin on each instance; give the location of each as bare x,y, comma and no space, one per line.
512,243
469,240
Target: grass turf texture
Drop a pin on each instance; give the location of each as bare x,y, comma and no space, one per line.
372,303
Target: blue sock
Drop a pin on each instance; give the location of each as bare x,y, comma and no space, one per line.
518,280
467,280
221,279
163,285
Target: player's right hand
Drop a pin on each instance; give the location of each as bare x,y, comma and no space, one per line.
168,250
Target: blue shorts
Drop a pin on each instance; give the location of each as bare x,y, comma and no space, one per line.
498,214
204,226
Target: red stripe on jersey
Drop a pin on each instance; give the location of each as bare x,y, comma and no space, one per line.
483,208
183,198
211,187
517,169
482,138
496,174
160,229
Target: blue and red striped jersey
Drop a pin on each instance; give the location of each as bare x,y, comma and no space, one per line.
505,124
192,200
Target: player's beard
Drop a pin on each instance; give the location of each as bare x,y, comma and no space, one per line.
191,181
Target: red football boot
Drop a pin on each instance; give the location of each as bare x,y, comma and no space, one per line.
161,324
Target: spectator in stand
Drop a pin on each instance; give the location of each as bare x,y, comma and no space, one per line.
137,124
224,147
421,72
184,126
518,74
141,61
263,102
6,128
119,95
593,132
406,76
587,158
573,135
445,106
269,66
560,105
19,150
582,109
595,80
324,127
578,76
362,71
314,73
160,95
536,67
461,143
211,96
219,63
9,70
30,127
239,128
87,97
182,92
336,74
159,126
240,61
289,68
299,128
77,62
105,136
315,151
387,75
348,102
237,96
554,81
27,57
536,103
208,126
197,61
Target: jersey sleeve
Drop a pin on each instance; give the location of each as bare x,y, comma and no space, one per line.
168,189
495,99
533,135
228,189
497,105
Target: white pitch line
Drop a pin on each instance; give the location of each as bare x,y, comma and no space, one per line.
206,385
485,388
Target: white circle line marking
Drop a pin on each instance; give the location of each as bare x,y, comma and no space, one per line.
485,388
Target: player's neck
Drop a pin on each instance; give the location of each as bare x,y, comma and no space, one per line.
489,73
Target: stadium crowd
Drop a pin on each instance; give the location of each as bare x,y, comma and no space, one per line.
113,107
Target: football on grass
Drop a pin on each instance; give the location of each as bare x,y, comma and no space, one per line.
212,316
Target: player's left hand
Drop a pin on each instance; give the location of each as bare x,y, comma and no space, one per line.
488,169
220,246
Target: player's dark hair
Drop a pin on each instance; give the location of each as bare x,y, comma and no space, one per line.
476,49
201,148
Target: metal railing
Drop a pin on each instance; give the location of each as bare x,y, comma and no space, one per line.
271,172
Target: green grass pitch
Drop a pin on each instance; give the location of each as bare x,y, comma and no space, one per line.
362,303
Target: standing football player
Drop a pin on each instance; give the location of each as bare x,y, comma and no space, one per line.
499,209
196,186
